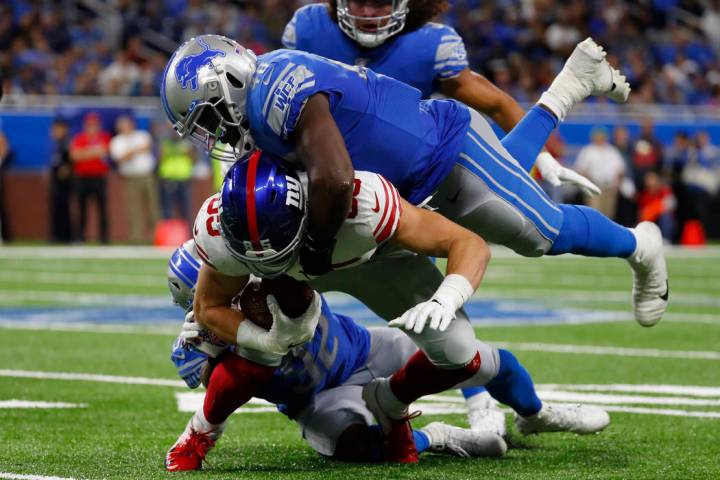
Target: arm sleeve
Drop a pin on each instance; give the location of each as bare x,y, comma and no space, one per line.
450,56
287,99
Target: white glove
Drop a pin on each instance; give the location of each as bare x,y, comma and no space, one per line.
556,174
285,332
191,329
202,339
440,309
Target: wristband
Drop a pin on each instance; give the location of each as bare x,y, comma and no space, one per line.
453,292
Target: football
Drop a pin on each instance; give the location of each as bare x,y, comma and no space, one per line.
293,296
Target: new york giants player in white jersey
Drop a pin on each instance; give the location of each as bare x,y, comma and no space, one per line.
318,384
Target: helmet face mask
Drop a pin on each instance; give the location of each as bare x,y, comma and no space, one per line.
385,26
204,94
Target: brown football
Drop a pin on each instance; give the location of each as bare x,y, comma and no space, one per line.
293,296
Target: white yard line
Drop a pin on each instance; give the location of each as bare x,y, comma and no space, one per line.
78,298
90,377
21,476
691,390
551,294
34,325
83,251
107,278
15,404
612,351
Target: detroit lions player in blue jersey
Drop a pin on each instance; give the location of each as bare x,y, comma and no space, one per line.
331,117
397,38
319,385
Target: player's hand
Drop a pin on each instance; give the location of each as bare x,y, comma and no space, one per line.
191,329
417,317
289,332
555,174
316,257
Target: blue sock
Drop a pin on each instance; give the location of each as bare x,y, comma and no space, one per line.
422,442
514,387
472,391
527,139
586,231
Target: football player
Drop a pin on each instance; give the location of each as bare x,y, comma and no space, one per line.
331,117
255,225
397,38
319,385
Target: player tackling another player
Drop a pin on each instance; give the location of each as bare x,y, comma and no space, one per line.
319,384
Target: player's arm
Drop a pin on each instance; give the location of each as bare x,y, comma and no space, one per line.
468,255
321,149
477,92
429,233
213,296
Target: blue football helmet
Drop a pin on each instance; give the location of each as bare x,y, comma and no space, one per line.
262,214
183,268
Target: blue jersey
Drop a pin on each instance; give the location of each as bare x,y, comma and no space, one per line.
338,348
420,58
386,126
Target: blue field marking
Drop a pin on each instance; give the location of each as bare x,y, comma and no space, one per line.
481,312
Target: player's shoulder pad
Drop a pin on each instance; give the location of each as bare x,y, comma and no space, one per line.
450,53
376,204
305,21
209,243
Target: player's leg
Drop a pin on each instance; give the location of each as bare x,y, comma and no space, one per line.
512,385
338,423
233,381
389,285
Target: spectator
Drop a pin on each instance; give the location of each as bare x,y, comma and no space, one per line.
656,203
647,152
61,227
5,156
88,151
122,77
603,164
626,213
131,149
177,157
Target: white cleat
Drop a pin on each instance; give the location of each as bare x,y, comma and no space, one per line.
650,279
578,419
586,72
484,415
462,442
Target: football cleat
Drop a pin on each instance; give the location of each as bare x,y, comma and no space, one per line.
462,442
189,450
651,289
586,73
484,415
394,420
578,419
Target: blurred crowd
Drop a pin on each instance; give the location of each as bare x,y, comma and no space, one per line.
668,48
641,180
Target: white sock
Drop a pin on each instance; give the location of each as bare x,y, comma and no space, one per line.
480,401
555,104
390,403
200,424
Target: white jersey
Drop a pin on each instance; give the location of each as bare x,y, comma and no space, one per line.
373,219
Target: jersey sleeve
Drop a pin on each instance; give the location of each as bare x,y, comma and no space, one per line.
291,86
378,205
209,244
450,56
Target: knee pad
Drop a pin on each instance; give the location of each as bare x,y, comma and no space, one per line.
452,349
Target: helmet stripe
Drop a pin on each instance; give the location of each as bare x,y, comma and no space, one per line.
250,200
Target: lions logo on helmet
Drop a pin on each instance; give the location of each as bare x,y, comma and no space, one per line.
385,26
262,214
204,94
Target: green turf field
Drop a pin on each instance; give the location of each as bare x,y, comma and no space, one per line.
121,428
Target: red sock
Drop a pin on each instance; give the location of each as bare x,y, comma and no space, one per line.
419,377
233,382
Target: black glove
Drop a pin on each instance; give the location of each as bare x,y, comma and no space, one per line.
316,257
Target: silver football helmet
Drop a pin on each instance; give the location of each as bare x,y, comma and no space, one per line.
183,268
204,94
386,25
